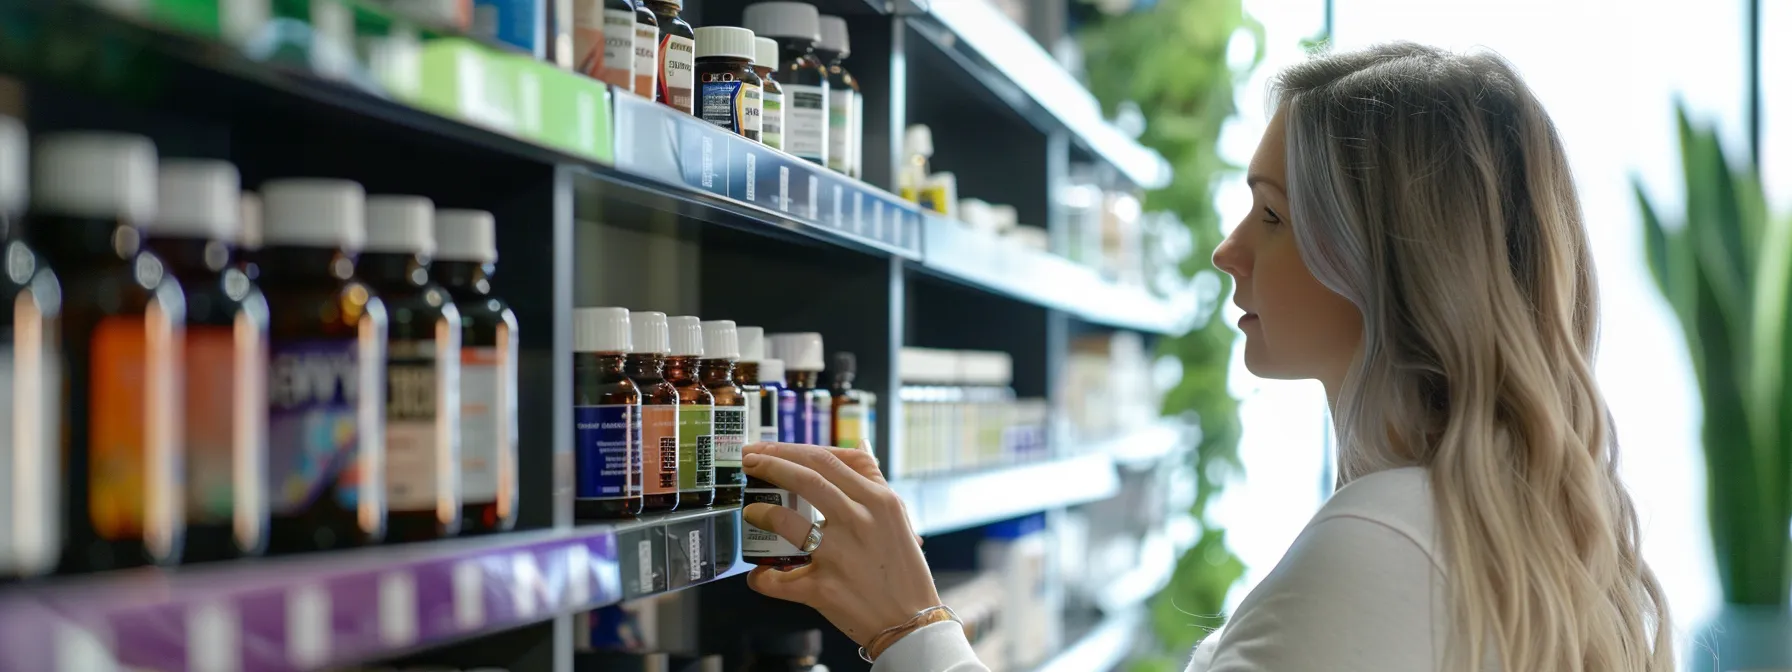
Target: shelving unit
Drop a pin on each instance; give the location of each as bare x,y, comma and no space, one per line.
602,199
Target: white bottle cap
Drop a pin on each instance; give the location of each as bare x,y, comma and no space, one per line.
199,199
249,227
834,36
720,340
765,53
726,42
15,165
401,224
800,351
772,369
313,212
687,336
649,331
918,139
752,343
799,20
104,175
466,235
601,330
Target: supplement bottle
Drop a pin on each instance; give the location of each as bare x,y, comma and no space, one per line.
122,316
911,180
248,239
677,56
466,257
765,547
647,51
777,410
802,355
721,349
771,95
660,449
224,362
728,93
607,416
796,27
746,376
854,410
30,377
845,103
603,38
326,369
696,415
422,370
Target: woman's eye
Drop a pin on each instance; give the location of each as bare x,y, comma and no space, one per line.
1270,216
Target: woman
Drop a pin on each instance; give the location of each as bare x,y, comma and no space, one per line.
1415,245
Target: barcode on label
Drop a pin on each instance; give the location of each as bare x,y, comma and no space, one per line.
696,555
752,166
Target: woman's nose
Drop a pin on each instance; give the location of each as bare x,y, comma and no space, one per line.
1231,256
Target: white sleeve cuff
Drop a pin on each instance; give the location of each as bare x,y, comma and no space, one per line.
936,647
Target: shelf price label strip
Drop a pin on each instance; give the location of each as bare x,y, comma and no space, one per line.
302,613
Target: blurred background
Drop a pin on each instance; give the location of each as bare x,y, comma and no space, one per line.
1011,238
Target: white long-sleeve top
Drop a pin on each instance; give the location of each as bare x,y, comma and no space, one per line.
1361,588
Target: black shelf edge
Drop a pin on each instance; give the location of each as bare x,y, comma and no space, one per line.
1000,54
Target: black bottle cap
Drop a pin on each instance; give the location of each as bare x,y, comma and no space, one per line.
845,362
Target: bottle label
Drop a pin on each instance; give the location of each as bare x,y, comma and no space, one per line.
806,122
605,440
647,60
758,543
313,428
636,476
697,450
420,450
850,426
604,42
660,454
821,429
771,119
754,417
677,76
487,421
133,468
769,422
840,114
731,435
730,103
793,424
225,374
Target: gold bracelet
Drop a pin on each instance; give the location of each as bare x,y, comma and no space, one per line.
923,618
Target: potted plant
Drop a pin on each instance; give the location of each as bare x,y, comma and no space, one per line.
1726,268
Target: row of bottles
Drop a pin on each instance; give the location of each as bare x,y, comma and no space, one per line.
196,373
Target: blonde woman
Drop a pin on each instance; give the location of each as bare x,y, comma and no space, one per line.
1416,245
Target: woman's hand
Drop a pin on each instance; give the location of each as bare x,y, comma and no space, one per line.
868,574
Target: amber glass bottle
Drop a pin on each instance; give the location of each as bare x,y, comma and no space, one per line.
606,416
327,369
466,257
28,347
796,27
696,415
224,361
660,449
716,369
677,53
854,410
121,331
422,370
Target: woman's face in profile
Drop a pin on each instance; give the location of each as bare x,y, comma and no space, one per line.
1294,327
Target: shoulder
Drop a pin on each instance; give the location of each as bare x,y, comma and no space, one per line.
1398,500
1352,591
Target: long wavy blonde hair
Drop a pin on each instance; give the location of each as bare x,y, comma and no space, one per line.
1431,190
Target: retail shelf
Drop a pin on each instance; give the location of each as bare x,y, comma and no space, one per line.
1144,448
663,150
951,502
954,251
1101,649
999,53
306,612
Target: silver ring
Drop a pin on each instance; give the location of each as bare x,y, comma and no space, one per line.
813,541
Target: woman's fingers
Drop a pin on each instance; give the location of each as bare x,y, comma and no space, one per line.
826,462
794,585
781,520
801,481
862,461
